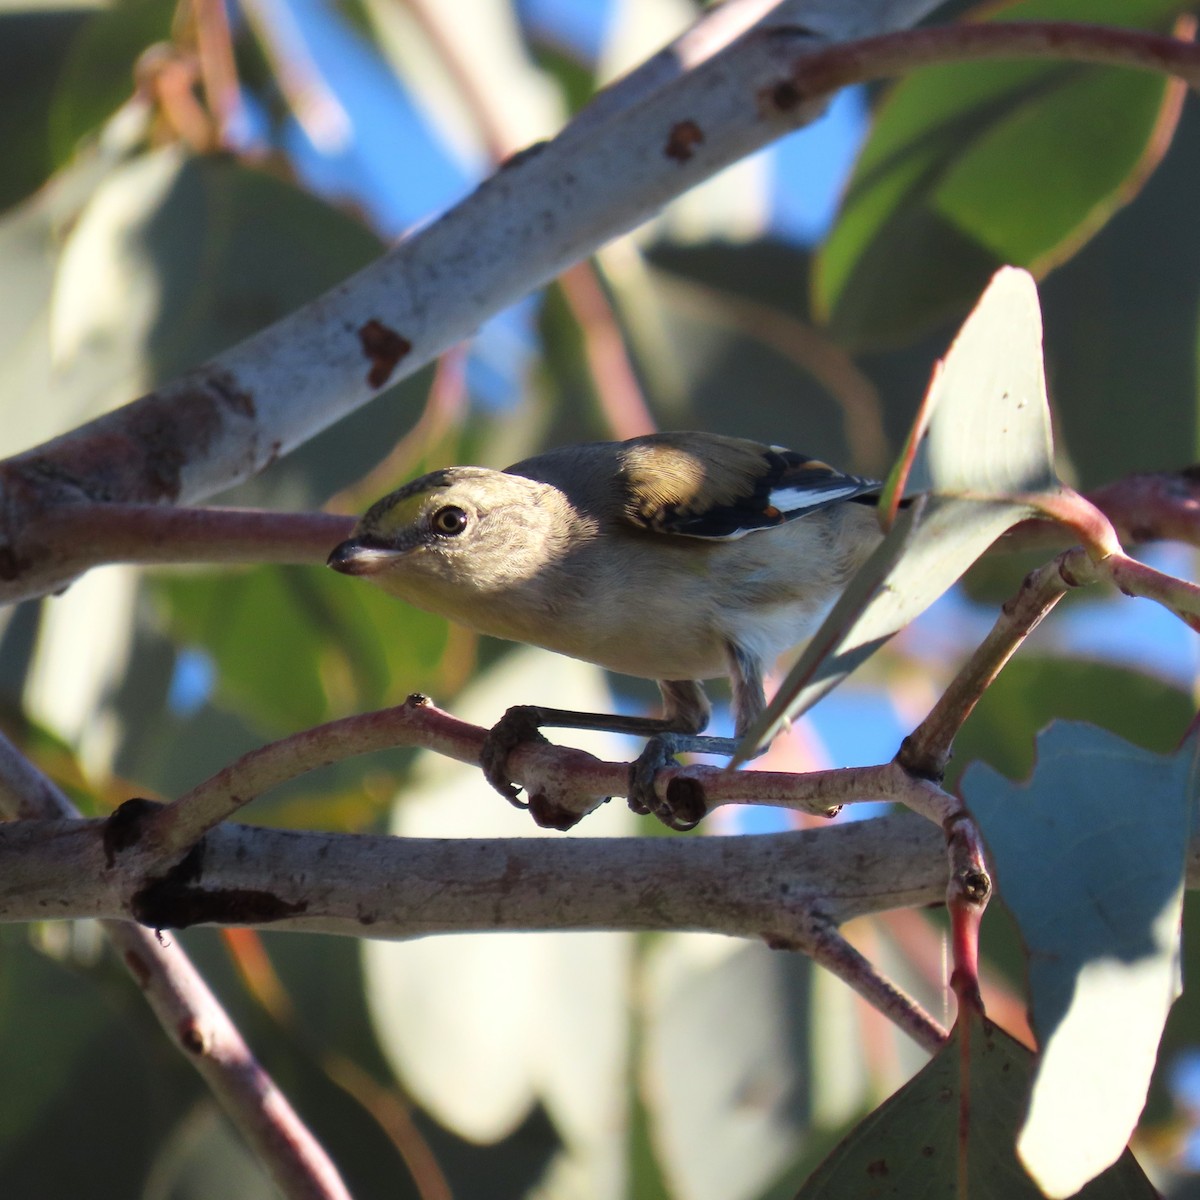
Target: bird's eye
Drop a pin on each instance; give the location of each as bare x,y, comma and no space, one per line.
449,521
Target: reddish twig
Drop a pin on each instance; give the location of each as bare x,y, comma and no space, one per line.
926,751
78,536
578,781
218,67
822,942
900,53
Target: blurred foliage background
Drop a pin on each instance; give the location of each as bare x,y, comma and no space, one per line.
178,175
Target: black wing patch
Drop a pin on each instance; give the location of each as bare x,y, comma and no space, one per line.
784,487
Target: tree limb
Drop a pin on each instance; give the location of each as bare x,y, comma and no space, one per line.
398,887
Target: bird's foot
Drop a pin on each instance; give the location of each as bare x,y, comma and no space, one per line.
521,724
684,806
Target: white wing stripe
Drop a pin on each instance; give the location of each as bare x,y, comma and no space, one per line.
793,499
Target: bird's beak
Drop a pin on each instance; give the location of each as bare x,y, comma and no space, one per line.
356,557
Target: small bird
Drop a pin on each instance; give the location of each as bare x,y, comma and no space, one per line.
676,557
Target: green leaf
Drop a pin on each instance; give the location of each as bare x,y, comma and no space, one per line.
70,1026
203,1156
31,241
33,46
989,429
974,164
68,1020
988,435
909,1146
254,625
727,1121
1098,904
294,646
1033,690
1108,117
128,268
716,322
98,74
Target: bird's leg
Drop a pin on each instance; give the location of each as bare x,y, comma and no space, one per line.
523,723
685,713
684,806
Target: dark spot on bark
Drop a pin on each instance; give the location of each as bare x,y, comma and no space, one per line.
367,918
168,430
190,1037
225,388
137,454
682,141
165,904
927,1151
384,347
781,97
124,826
147,901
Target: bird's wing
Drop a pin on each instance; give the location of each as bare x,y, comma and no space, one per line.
704,486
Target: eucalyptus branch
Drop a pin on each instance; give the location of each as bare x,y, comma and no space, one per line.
1157,506
577,781
926,751
868,59
1152,507
831,950
612,373
768,887
87,535
1137,579
1133,578
1141,508
193,1019
191,1016
25,792
782,888
967,894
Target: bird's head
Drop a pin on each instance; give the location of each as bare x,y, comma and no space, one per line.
457,536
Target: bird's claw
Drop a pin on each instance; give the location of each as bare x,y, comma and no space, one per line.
517,727
684,806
